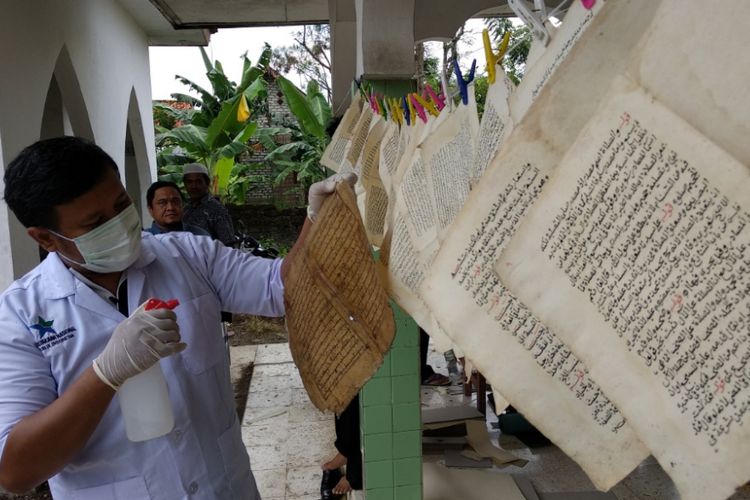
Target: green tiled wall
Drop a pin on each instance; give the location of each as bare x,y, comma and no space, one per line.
391,423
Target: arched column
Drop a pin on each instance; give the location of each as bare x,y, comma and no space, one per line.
65,111
137,175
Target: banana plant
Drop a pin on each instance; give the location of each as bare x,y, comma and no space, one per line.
218,129
309,137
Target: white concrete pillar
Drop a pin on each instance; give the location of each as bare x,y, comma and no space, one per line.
343,52
385,39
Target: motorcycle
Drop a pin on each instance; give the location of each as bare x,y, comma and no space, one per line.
248,244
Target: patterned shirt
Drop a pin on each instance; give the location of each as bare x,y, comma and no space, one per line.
212,216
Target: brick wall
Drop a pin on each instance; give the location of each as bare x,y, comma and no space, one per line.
263,191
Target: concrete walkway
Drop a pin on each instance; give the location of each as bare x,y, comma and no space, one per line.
286,437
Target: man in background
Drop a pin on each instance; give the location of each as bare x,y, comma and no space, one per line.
204,210
164,202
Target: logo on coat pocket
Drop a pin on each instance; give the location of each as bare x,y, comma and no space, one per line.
48,336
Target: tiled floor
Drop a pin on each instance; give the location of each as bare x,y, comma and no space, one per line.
550,470
288,439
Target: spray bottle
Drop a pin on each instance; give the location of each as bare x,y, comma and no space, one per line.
144,399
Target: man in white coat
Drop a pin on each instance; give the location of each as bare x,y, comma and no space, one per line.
72,331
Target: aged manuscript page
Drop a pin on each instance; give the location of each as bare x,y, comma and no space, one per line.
404,260
638,257
495,127
337,313
415,203
403,271
447,155
334,155
525,360
359,136
391,148
376,198
575,23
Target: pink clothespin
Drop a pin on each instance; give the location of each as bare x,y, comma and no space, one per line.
374,103
418,107
437,100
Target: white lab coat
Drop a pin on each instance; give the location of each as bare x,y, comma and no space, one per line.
203,457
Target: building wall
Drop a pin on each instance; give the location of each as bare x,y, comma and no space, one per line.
99,57
263,191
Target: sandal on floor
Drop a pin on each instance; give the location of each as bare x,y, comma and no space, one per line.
329,481
437,380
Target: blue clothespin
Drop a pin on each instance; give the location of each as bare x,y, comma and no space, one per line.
463,84
407,111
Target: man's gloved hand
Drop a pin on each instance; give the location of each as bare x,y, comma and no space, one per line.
321,189
138,343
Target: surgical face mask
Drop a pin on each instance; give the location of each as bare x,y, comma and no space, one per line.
111,247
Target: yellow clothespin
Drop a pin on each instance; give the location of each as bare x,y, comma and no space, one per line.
492,58
396,112
426,105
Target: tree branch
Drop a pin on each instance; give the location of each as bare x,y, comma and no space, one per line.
312,54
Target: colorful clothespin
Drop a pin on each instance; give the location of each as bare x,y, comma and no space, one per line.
407,110
492,58
412,111
380,99
463,84
358,83
437,100
396,113
417,106
426,103
533,17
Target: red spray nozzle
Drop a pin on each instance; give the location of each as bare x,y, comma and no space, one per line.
160,304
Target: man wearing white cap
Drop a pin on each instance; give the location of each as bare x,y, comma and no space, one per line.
204,210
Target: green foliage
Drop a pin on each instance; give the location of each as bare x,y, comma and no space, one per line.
431,72
514,62
481,84
241,180
308,56
211,130
307,137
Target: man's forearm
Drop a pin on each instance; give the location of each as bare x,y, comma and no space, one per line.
41,444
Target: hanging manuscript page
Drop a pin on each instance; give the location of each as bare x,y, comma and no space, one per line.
376,197
334,155
496,125
403,272
575,23
337,313
705,84
637,255
391,148
447,154
359,136
525,360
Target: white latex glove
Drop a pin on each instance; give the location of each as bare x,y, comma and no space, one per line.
321,189
137,344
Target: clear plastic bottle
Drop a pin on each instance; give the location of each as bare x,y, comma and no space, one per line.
145,405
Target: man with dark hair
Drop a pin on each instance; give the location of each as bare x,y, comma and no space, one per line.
204,210
164,202
71,333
